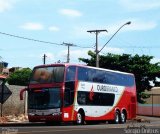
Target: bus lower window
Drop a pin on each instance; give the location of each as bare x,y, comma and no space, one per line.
99,99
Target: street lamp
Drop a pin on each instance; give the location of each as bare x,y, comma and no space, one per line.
127,23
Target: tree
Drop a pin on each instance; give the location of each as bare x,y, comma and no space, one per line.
145,72
20,77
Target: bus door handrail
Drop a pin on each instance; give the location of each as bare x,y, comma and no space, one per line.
21,93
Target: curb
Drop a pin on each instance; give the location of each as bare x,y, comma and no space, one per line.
6,124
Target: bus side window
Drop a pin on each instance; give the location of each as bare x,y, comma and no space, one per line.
83,74
70,73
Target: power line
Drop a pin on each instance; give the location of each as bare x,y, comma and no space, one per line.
30,39
84,47
47,42
36,40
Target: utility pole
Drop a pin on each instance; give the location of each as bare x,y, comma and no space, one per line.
2,95
68,51
1,64
44,59
97,52
97,32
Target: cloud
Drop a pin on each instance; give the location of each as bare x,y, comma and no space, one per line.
70,12
74,55
136,25
50,56
140,5
83,53
80,31
142,25
54,29
155,60
39,57
6,5
32,26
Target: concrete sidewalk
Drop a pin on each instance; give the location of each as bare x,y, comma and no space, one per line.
151,118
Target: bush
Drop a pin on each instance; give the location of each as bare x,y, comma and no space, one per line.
20,77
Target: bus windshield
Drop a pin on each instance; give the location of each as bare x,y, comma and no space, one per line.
47,98
47,74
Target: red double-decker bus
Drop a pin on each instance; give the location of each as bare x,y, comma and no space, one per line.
77,93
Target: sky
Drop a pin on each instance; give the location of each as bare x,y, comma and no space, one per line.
67,21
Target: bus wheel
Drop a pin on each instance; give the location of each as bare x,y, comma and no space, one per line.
123,117
116,118
80,118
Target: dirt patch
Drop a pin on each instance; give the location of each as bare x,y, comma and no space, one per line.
14,118
3,119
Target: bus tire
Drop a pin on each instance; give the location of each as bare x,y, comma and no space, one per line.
123,117
116,118
80,118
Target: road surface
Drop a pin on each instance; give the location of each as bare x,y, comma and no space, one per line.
148,126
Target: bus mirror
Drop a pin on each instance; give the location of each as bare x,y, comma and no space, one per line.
21,93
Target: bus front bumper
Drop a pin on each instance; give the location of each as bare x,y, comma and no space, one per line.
44,118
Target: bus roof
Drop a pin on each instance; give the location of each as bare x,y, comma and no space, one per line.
81,65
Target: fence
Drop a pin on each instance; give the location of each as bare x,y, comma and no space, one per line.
151,107
13,105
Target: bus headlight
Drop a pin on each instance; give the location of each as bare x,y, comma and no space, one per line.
32,114
59,113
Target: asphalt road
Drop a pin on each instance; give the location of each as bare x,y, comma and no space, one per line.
149,126
63,130
85,129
